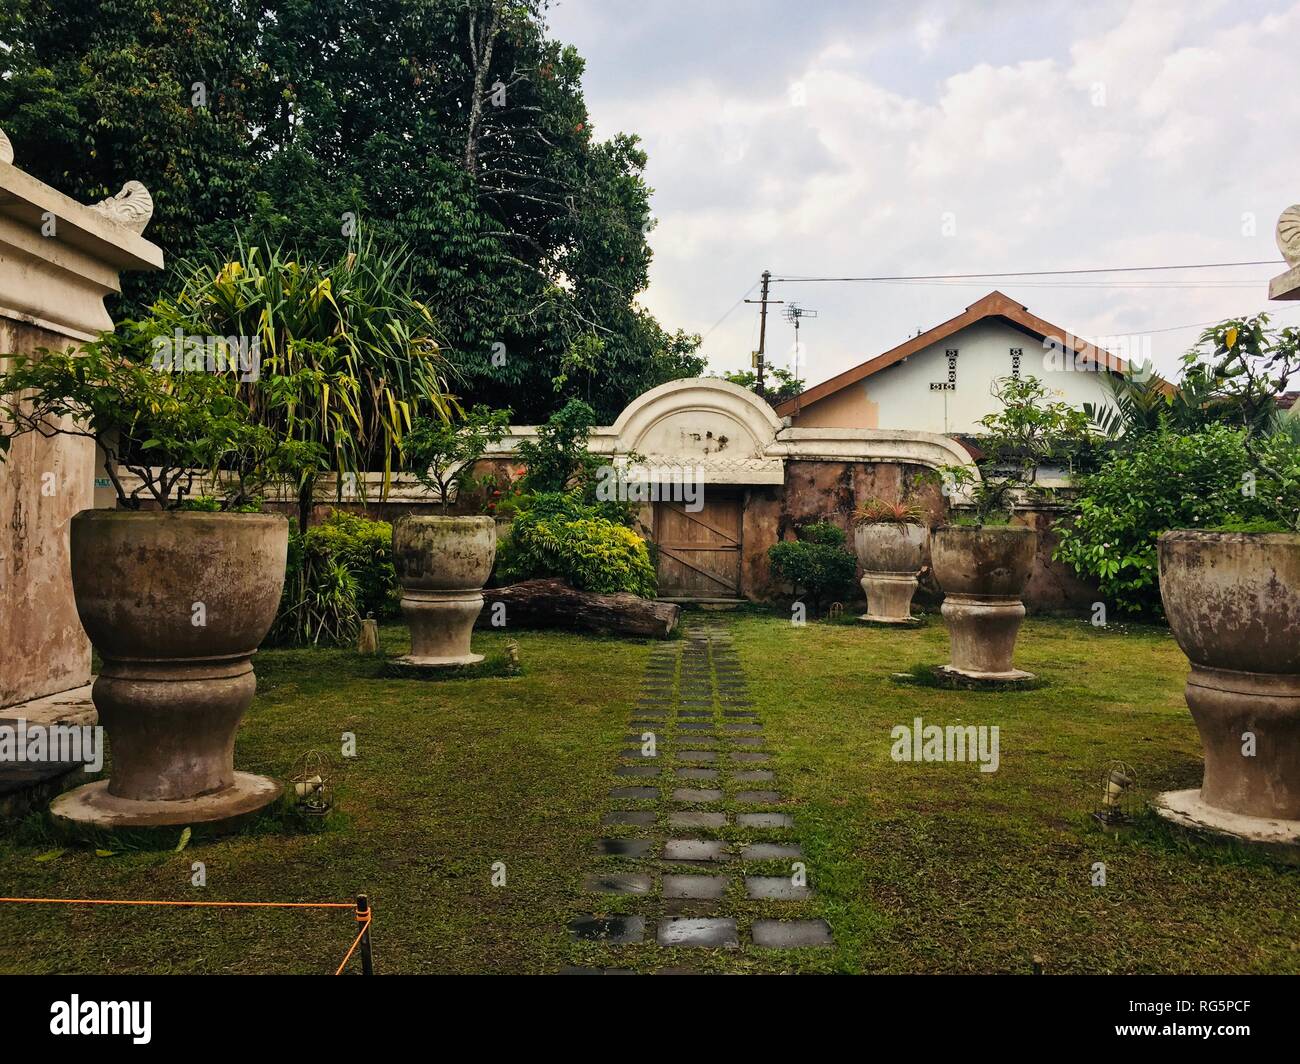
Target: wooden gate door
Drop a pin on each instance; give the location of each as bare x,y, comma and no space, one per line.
699,553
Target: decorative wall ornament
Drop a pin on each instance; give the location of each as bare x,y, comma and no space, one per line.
132,207
6,148
1288,235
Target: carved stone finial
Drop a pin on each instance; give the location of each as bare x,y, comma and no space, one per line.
6,149
1288,235
132,207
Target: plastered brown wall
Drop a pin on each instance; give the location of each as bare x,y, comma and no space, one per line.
829,491
43,483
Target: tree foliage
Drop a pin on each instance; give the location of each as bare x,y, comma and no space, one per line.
457,128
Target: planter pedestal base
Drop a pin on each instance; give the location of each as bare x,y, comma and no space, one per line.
1187,810
409,663
442,624
889,598
969,680
92,806
892,622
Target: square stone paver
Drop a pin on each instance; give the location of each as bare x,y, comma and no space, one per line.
791,934
697,755
754,726
695,850
750,756
697,773
774,888
638,793
758,775
739,713
689,794
629,817
764,820
619,883
770,851
637,751
695,713
618,930
758,797
709,931
700,888
697,818
696,725
624,847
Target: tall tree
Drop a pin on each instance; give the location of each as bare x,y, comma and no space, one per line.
454,127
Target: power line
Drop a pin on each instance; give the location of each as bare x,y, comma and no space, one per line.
733,306
1035,273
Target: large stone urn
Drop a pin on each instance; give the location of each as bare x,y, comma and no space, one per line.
176,605
442,564
983,571
891,554
1233,602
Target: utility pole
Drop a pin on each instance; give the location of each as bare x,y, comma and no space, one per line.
762,329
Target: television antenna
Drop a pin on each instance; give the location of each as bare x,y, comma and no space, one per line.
795,313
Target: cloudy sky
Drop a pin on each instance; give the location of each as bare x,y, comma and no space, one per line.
840,137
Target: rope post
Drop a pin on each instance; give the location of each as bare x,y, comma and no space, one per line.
363,917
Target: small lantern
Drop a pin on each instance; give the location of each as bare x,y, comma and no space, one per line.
1118,794
313,784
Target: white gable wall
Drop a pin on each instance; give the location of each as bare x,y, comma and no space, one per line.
901,397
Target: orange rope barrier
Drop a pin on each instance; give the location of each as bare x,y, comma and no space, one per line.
223,904
360,935
363,920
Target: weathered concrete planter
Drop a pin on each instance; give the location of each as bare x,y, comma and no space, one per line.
891,555
442,564
176,604
1233,602
983,571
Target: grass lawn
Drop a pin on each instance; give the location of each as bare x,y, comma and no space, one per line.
917,867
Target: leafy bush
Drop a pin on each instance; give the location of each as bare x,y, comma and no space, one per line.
816,562
557,534
1202,480
337,573
441,452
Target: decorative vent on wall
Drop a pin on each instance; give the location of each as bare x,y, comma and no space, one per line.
950,385
1016,354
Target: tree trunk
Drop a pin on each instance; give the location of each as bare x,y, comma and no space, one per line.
552,603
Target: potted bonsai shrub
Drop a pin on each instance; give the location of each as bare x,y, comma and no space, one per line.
891,541
443,561
1232,597
175,597
980,560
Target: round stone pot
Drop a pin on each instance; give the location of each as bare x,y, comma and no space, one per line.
891,555
983,571
176,604
1233,603
442,564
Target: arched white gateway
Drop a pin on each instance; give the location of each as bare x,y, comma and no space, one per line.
738,439
715,425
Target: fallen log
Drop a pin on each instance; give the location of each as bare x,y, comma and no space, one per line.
552,603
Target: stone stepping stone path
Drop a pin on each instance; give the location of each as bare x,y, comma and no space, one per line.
697,854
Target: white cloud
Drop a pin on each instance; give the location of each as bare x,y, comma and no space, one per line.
1195,129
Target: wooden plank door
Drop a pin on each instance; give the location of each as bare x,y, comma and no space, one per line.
699,553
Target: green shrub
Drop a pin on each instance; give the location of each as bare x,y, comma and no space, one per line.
1201,480
816,564
556,534
337,573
